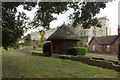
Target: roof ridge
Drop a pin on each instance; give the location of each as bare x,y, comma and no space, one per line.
63,34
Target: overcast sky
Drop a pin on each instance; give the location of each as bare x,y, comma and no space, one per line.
119,13
111,11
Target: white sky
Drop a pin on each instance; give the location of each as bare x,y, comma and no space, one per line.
111,11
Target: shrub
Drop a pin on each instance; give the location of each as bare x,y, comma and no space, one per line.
100,52
61,56
78,50
47,49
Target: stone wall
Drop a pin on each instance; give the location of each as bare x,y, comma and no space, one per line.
114,47
100,62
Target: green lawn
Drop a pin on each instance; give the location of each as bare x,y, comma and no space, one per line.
105,57
36,51
19,65
24,46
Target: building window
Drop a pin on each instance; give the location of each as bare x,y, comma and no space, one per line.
108,48
93,48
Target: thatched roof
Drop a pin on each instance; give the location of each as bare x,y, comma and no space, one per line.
105,40
63,33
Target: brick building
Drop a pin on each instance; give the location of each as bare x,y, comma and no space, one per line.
108,44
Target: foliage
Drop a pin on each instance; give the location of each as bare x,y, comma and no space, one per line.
85,12
14,26
27,40
42,34
78,50
47,48
40,44
100,52
16,65
43,15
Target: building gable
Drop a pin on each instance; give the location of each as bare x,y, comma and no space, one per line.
92,40
115,39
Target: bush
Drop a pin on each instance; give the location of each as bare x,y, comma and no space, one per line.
100,52
47,49
61,56
78,50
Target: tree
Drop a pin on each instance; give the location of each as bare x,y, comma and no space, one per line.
27,40
43,15
42,34
85,12
13,28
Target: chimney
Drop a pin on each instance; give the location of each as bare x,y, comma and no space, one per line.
118,29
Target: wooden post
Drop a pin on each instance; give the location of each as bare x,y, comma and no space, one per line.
51,48
119,53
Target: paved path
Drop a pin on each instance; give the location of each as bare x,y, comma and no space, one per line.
107,55
26,51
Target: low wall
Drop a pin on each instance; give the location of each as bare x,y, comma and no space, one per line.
100,62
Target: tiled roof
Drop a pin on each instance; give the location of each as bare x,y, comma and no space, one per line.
105,39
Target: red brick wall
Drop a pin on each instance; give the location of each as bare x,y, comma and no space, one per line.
103,48
114,47
97,47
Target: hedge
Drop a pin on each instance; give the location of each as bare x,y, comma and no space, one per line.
47,49
78,50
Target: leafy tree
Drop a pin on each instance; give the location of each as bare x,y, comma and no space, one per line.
27,40
43,15
42,34
13,27
85,12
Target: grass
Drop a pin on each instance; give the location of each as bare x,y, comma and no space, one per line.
36,51
19,65
24,46
105,57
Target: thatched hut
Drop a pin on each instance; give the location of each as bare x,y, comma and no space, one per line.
62,39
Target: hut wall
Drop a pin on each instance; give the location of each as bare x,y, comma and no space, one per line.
66,45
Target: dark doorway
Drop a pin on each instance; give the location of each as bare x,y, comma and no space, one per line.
57,48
